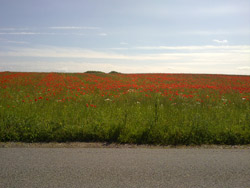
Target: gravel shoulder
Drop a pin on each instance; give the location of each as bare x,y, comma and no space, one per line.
112,145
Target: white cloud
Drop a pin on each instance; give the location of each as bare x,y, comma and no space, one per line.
70,66
57,52
195,52
185,59
39,33
14,29
220,41
47,30
13,41
123,43
17,42
72,28
216,32
206,48
102,34
244,68
79,34
25,33
119,48
225,9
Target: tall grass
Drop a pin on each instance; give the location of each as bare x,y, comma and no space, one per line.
33,109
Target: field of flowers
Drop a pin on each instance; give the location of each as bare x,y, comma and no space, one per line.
125,108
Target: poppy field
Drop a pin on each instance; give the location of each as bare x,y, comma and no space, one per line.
164,109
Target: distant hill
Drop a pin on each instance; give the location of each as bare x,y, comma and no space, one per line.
95,72
100,72
114,72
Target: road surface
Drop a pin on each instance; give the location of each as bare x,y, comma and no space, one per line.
124,167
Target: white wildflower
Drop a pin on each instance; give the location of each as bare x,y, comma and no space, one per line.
224,100
131,90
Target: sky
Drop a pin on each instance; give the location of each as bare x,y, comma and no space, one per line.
132,36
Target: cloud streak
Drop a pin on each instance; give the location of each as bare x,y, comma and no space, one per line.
102,34
25,33
185,59
13,41
244,68
71,66
203,53
54,30
206,48
73,28
14,29
220,41
245,31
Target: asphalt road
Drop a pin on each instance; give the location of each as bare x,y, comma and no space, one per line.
124,167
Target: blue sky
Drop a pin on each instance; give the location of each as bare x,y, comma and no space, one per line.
132,36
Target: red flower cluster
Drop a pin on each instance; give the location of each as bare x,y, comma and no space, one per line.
74,87
90,105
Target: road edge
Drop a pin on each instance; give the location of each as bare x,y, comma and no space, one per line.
112,145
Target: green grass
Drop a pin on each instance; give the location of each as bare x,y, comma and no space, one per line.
129,118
